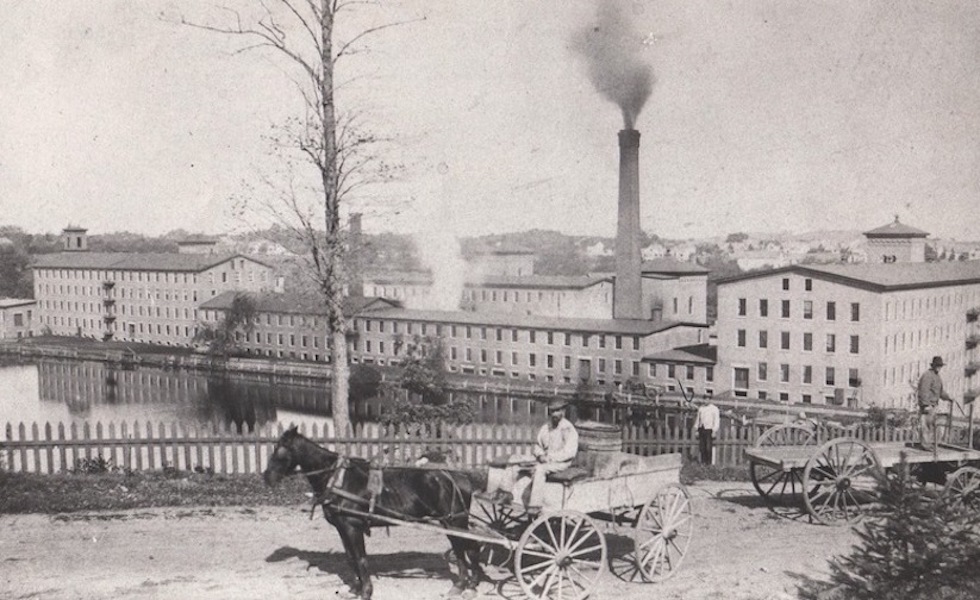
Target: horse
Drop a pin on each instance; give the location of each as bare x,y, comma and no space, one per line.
342,485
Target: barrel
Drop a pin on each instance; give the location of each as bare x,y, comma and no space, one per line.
599,437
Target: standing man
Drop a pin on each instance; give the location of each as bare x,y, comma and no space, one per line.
930,392
707,425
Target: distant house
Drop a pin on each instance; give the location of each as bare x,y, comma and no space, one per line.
16,318
598,249
761,259
682,252
653,251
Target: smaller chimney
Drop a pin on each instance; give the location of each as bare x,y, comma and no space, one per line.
75,239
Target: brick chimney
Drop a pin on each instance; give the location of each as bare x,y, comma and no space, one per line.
627,295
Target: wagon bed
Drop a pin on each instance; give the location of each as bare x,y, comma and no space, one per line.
834,480
889,454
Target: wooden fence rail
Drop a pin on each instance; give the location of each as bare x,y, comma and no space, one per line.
146,446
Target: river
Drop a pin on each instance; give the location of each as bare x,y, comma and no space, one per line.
65,391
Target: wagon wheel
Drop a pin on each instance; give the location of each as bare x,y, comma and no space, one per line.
839,478
501,518
561,556
963,486
662,533
779,487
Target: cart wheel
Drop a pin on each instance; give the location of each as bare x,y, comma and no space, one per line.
662,533
501,518
777,486
840,477
561,556
963,486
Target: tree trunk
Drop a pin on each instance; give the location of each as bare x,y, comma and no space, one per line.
339,391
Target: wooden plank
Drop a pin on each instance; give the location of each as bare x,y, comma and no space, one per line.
126,449
49,450
36,436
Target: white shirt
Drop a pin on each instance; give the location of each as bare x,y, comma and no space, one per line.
557,444
708,417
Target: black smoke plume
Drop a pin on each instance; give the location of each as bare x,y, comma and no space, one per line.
611,48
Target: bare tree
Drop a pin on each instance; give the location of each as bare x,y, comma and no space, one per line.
302,32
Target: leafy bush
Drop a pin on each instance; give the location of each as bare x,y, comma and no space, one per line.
916,546
93,466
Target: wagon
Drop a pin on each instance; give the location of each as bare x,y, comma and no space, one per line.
562,552
834,481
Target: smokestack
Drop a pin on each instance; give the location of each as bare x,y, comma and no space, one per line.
627,303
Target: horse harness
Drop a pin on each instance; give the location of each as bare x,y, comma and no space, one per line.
334,492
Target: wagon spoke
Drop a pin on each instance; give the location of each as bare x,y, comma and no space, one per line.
537,580
571,538
586,550
540,565
582,540
545,544
537,553
551,534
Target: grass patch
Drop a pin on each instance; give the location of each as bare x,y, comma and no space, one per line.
73,492
693,471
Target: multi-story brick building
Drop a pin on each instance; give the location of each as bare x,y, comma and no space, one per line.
527,347
129,296
287,325
16,318
854,334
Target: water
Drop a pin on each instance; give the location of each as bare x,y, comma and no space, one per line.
67,391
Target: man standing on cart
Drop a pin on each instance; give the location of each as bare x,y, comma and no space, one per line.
554,449
930,392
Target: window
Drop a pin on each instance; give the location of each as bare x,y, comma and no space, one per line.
807,374
531,337
853,379
763,371
763,339
689,372
830,376
831,311
855,345
618,367
831,342
550,361
784,340
567,362
619,342
855,311
602,365
763,308
784,373
785,309
741,379
709,373
532,359
742,307
808,284
808,342
741,338
808,309
786,283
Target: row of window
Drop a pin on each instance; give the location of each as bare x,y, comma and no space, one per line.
499,333
805,375
785,341
150,276
830,309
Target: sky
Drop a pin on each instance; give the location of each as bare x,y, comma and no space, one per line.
764,116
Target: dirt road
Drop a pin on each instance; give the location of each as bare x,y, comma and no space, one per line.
741,551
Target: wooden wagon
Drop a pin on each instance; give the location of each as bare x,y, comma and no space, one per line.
835,480
561,553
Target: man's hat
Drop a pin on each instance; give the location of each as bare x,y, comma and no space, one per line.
557,404
937,361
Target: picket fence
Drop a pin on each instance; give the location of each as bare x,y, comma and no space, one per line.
222,449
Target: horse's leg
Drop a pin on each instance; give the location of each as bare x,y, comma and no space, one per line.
346,536
468,557
362,563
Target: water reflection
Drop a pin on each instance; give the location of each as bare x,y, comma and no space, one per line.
64,391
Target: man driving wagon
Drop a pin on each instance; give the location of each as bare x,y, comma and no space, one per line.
555,447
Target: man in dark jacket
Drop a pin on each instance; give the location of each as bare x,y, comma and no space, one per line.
930,392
